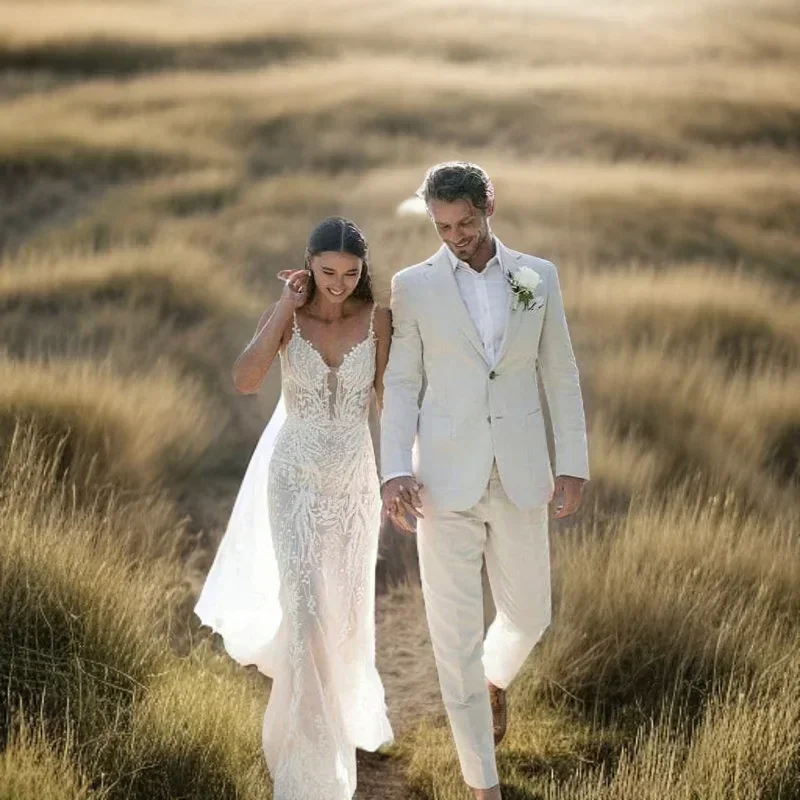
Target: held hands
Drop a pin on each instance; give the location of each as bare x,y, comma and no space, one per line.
567,495
401,502
296,283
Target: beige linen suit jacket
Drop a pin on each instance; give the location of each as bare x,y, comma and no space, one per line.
449,414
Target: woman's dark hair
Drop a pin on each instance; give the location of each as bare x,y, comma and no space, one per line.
340,235
457,180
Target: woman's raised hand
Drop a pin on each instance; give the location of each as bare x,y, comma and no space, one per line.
296,283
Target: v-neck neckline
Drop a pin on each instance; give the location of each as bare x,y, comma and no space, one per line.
298,330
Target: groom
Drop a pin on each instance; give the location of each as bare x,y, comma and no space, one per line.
471,326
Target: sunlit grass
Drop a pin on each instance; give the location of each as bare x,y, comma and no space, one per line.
738,432
130,430
189,279
85,653
33,768
740,319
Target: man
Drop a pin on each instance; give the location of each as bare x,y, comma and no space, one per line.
471,326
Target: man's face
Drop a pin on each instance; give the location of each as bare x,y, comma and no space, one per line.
461,226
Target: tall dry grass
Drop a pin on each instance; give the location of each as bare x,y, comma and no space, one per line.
130,431
32,767
93,693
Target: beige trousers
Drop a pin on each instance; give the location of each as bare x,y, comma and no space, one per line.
452,546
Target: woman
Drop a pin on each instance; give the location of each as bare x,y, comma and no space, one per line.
292,587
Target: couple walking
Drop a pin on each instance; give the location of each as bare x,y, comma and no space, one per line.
463,450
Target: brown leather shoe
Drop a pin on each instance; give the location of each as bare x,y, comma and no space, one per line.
497,699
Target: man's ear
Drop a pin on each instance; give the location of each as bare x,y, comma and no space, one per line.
490,207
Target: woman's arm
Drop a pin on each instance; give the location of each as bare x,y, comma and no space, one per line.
383,333
250,369
252,366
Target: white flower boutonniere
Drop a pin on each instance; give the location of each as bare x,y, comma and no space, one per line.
523,284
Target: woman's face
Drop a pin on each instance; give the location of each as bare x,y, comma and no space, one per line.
336,275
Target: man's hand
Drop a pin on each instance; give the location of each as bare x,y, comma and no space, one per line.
567,495
401,501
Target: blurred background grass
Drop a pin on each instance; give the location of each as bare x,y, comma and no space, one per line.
160,161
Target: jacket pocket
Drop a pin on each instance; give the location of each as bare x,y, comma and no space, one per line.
536,438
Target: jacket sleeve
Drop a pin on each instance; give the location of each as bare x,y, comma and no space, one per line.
402,384
559,374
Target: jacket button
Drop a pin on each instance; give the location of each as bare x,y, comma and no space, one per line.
492,375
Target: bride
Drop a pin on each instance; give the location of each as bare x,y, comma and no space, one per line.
292,586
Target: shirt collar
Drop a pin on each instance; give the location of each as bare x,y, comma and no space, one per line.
495,260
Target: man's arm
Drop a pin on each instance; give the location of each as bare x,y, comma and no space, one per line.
383,335
561,383
402,383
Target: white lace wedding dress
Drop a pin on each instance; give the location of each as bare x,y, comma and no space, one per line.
292,587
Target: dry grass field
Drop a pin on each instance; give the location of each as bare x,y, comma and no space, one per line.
161,160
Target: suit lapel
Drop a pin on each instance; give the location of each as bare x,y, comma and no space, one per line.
447,294
510,262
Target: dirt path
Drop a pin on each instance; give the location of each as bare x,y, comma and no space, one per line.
405,662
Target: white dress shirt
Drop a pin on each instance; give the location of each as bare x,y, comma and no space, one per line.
485,294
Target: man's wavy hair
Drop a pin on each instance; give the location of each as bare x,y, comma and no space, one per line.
457,180
340,235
